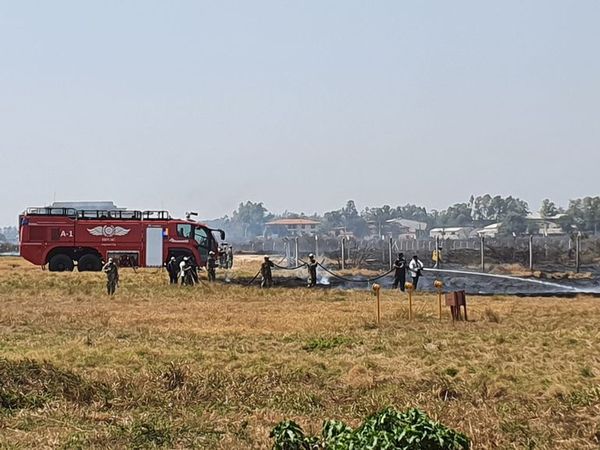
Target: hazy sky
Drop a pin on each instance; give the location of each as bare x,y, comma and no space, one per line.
302,105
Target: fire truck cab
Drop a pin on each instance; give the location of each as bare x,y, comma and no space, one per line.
62,238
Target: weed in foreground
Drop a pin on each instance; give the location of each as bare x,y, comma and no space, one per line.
387,429
326,343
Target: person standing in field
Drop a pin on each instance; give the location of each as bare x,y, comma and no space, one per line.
266,274
312,270
172,270
230,257
415,267
185,272
211,266
399,272
193,270
223,256
112,276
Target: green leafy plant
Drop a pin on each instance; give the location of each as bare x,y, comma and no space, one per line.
288,435
326,343
385,430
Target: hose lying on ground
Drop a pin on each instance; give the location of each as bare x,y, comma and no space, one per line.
351,280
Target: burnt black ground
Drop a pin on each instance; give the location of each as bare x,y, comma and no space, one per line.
472,284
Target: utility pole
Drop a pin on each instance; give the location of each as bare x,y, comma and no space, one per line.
316,246
391,243
343,252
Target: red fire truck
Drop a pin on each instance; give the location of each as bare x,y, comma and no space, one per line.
62,238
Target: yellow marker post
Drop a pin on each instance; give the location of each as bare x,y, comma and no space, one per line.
409,288
376,289
439,285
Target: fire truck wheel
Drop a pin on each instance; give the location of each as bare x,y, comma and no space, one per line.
89,263
60,263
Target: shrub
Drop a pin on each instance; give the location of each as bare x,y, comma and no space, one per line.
385,430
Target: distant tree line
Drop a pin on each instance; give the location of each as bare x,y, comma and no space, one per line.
583,214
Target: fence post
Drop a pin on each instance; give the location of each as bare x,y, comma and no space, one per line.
531,252
481,247
297,256
577,252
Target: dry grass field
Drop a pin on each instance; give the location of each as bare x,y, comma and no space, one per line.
218,366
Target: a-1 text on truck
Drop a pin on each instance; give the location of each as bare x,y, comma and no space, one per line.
64,237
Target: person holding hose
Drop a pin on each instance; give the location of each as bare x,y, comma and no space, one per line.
266,274
399,272
415,267
312,270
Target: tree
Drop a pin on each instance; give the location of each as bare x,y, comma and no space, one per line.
514,223
548,209
497,208
456,215
251,217
585,213
379,216
347,218
413,212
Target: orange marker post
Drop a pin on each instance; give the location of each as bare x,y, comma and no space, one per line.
439,285
409,288
376,289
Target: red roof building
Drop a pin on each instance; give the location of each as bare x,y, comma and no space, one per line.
292,227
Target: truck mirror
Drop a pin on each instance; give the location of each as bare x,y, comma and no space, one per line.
222,234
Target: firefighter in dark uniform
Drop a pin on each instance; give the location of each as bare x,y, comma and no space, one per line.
172,269
211,266
112,276
312,270
266,274
193,269
399,272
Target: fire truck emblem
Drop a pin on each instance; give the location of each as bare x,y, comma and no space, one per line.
108,231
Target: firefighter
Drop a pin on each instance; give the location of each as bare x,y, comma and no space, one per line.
193,270
399,272
211,266
312,270
112,276
185,274
436,257
266,274
223,256
172,270
415,267
230,257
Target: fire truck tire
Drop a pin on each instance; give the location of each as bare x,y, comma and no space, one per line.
89,263
60,263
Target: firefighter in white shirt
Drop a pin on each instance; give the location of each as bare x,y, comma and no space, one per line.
415,267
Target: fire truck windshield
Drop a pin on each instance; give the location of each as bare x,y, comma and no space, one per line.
201,237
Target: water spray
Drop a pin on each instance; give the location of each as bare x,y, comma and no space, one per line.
506,277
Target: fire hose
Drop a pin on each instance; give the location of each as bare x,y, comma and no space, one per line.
278,267
351,280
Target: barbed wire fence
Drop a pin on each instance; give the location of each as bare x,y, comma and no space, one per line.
566,253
